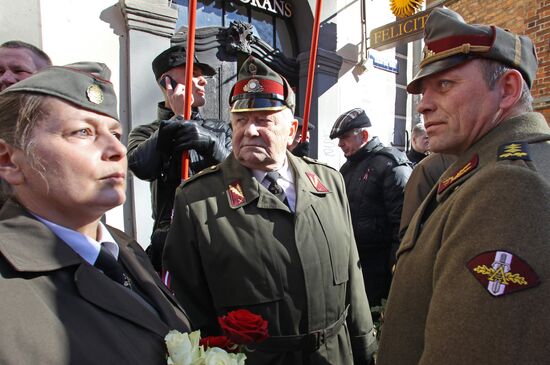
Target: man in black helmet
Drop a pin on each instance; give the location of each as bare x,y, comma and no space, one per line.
154,150
375,178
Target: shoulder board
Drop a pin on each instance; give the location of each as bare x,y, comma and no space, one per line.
206,171
310,160
535,151
514,151
396,155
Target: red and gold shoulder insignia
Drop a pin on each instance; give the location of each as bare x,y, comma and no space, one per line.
235,194
470,166
501,272
316,182
514,151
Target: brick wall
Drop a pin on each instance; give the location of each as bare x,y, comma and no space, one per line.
528,17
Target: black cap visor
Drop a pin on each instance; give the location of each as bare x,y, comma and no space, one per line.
257,104
207,70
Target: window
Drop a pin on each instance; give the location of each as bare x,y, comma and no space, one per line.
263,27
209,13
274,30
234,13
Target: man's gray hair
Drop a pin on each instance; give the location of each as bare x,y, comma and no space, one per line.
37,52
493,70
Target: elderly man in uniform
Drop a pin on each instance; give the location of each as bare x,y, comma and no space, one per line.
472,282
270,232
375,178
154,149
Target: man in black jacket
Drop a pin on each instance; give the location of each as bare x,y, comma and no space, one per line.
375,178
154,150
298,148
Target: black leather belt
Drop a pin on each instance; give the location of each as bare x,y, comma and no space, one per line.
309,342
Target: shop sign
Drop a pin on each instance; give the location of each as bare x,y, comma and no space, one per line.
278,7
400,32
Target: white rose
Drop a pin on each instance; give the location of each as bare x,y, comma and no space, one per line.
218,356
184,348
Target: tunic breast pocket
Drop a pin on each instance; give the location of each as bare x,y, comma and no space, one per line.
241,271
337,239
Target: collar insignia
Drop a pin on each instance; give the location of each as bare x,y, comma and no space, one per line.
471,165
94,94
501,272
514,151
316,182
235,194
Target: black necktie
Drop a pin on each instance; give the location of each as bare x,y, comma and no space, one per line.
274,188
107,263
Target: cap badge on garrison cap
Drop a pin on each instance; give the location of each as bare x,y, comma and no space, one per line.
94,94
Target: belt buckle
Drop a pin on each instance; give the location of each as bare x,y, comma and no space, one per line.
314,340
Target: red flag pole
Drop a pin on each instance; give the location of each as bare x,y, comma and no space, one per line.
190,56
311,68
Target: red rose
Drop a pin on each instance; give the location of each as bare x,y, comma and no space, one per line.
217,341
244,327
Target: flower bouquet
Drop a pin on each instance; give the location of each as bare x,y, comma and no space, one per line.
240,328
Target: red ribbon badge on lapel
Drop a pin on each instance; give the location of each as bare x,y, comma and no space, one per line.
472,164
501,272
236,195
316,182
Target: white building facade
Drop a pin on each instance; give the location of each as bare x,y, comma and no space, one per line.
127,36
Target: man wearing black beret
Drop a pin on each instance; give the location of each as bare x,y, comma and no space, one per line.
472,280
154,150
375,178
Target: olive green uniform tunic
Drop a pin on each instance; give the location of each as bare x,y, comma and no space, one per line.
247,250
488,230
56,309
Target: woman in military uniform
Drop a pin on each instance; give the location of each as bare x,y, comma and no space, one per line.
66,298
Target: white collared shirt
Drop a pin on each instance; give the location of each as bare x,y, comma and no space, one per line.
286,182
84,246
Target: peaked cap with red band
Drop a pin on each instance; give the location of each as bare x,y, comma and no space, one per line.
258,87
450,41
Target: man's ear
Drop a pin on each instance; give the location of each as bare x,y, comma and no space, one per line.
511,85
365,134
293,130
10,170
